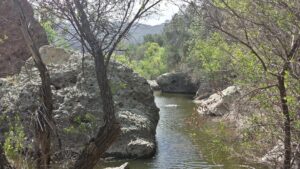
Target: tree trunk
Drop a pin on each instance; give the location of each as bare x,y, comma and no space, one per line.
287,121
43,116
42,140
4,164
111,129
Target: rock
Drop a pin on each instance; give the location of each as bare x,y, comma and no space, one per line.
208,87
124,166
275,157
78,105
218,104
153,84
51,55
204,91
177,83
13,49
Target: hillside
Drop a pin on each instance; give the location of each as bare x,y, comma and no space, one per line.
138,32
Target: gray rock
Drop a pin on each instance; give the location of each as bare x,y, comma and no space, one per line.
52,55
208,87
13,49
204,91
275,157
177,83
218,104
78,105
153,84
124,166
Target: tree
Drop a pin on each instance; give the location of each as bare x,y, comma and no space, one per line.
156,38
151,62
207,59
176,34
99,26
44,122
270,31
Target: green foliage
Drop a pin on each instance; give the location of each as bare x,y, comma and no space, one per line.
176,34
71,130
151,64
156,38
3,38
14,139
53,36
82,124
115,87
210,55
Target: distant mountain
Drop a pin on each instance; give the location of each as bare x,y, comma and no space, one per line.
138,32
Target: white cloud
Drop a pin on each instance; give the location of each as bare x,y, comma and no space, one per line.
165,12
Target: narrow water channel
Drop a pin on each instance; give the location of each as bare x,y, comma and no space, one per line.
181,146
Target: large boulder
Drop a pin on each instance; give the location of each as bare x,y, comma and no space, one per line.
78,105
13,49
220,103
177,83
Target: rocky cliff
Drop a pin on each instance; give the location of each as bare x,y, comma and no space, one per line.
13,49
78,106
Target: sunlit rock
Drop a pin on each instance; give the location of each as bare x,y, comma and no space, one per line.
218,104
78,105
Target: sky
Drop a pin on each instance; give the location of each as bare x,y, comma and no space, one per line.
165,12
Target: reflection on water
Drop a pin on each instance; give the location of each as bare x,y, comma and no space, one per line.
175,150
175,147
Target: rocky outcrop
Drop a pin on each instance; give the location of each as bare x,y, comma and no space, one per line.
177,83
78,105
13,49
153,84
218,104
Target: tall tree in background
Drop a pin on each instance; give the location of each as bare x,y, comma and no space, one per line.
270,30
176,34
100,26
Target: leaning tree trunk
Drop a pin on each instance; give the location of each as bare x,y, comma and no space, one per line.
4,164
287,121
43,116
111,129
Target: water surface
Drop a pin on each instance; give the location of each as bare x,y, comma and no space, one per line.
182,146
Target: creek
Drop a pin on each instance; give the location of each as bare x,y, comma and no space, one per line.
180,145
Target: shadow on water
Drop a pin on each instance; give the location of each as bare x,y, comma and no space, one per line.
182,146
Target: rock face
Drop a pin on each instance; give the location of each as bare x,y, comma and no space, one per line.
208,87
13,49
218,104
78,106
153,84
177,83
52,55
204,91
